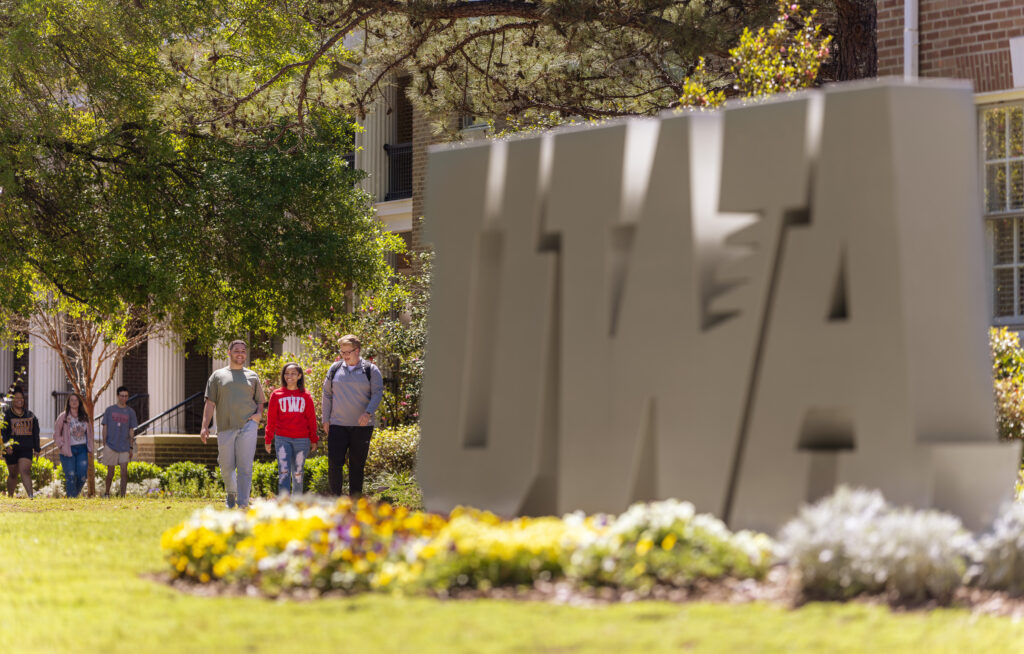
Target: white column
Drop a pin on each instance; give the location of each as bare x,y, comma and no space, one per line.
165,374
379,128
292,345
45,375
6,369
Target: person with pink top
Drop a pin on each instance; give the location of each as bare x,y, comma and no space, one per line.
73,436
291,427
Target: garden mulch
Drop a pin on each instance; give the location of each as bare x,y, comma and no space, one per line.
779,587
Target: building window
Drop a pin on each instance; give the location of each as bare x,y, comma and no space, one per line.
1003,160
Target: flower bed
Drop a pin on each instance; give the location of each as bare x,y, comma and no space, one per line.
312,543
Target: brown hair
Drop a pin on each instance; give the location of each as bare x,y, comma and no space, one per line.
351,339
302,376
82,415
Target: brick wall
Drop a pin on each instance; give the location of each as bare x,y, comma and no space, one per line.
421,139
165,450
965,39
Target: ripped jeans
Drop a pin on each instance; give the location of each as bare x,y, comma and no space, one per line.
291,454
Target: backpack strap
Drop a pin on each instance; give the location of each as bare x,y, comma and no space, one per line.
366,369
333,370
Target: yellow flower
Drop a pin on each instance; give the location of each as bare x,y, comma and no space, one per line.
669,542
643,546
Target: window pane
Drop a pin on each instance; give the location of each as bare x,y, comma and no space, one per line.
995,133
1004,292
1003,240
1016,184
1017,131
995,187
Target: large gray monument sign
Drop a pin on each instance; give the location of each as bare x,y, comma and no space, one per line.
739,308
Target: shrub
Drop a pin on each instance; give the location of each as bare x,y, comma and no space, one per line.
999,555
139,471
314,476
42,472
187,478
393,450
855,542
264,479
667,543
1008,380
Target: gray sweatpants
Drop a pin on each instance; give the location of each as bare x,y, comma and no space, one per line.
236,449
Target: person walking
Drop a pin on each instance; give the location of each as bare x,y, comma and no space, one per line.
73,436
352,391
20,437
236,395
119,423
291,428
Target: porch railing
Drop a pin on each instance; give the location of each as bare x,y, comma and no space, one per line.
399,171
182,418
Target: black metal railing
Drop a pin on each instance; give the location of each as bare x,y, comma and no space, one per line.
399,171
350,158
139,402
184,417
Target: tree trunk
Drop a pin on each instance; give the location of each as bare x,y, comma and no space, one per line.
91,473
855,51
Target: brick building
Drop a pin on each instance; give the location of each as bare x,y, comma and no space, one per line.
981,41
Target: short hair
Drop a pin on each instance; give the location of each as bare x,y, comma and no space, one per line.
352,340
238,342
121,388
17,388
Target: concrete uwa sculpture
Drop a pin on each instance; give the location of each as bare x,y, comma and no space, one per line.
739,308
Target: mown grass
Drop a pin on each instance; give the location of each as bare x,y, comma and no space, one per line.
75,577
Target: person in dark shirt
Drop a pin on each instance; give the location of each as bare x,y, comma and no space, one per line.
20,435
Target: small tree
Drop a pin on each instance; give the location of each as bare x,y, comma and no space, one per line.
90,345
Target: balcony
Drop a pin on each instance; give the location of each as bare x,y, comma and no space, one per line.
399,171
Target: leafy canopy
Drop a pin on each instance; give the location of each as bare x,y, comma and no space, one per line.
112,206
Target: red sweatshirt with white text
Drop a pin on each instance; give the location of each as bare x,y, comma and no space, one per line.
291,415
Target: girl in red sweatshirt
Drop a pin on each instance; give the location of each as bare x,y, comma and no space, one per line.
291,427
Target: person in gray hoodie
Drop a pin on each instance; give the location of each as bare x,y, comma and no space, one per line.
353,390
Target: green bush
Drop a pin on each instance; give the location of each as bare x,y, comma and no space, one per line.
140,470
42,472
264,479
188,479
314,479
393,450
1008,379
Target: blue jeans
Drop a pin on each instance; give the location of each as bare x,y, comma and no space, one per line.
76,469
291,454
236,449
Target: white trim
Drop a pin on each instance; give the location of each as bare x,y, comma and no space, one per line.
995,97
396,215
1017,60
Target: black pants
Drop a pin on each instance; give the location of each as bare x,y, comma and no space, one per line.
355,442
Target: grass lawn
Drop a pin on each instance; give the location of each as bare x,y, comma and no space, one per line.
73,579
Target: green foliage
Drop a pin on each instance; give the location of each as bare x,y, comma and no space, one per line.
187,479
315,479
393,450
42,472
398,488
1008,380
780,59
775,60
138,471
104,203
264,478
